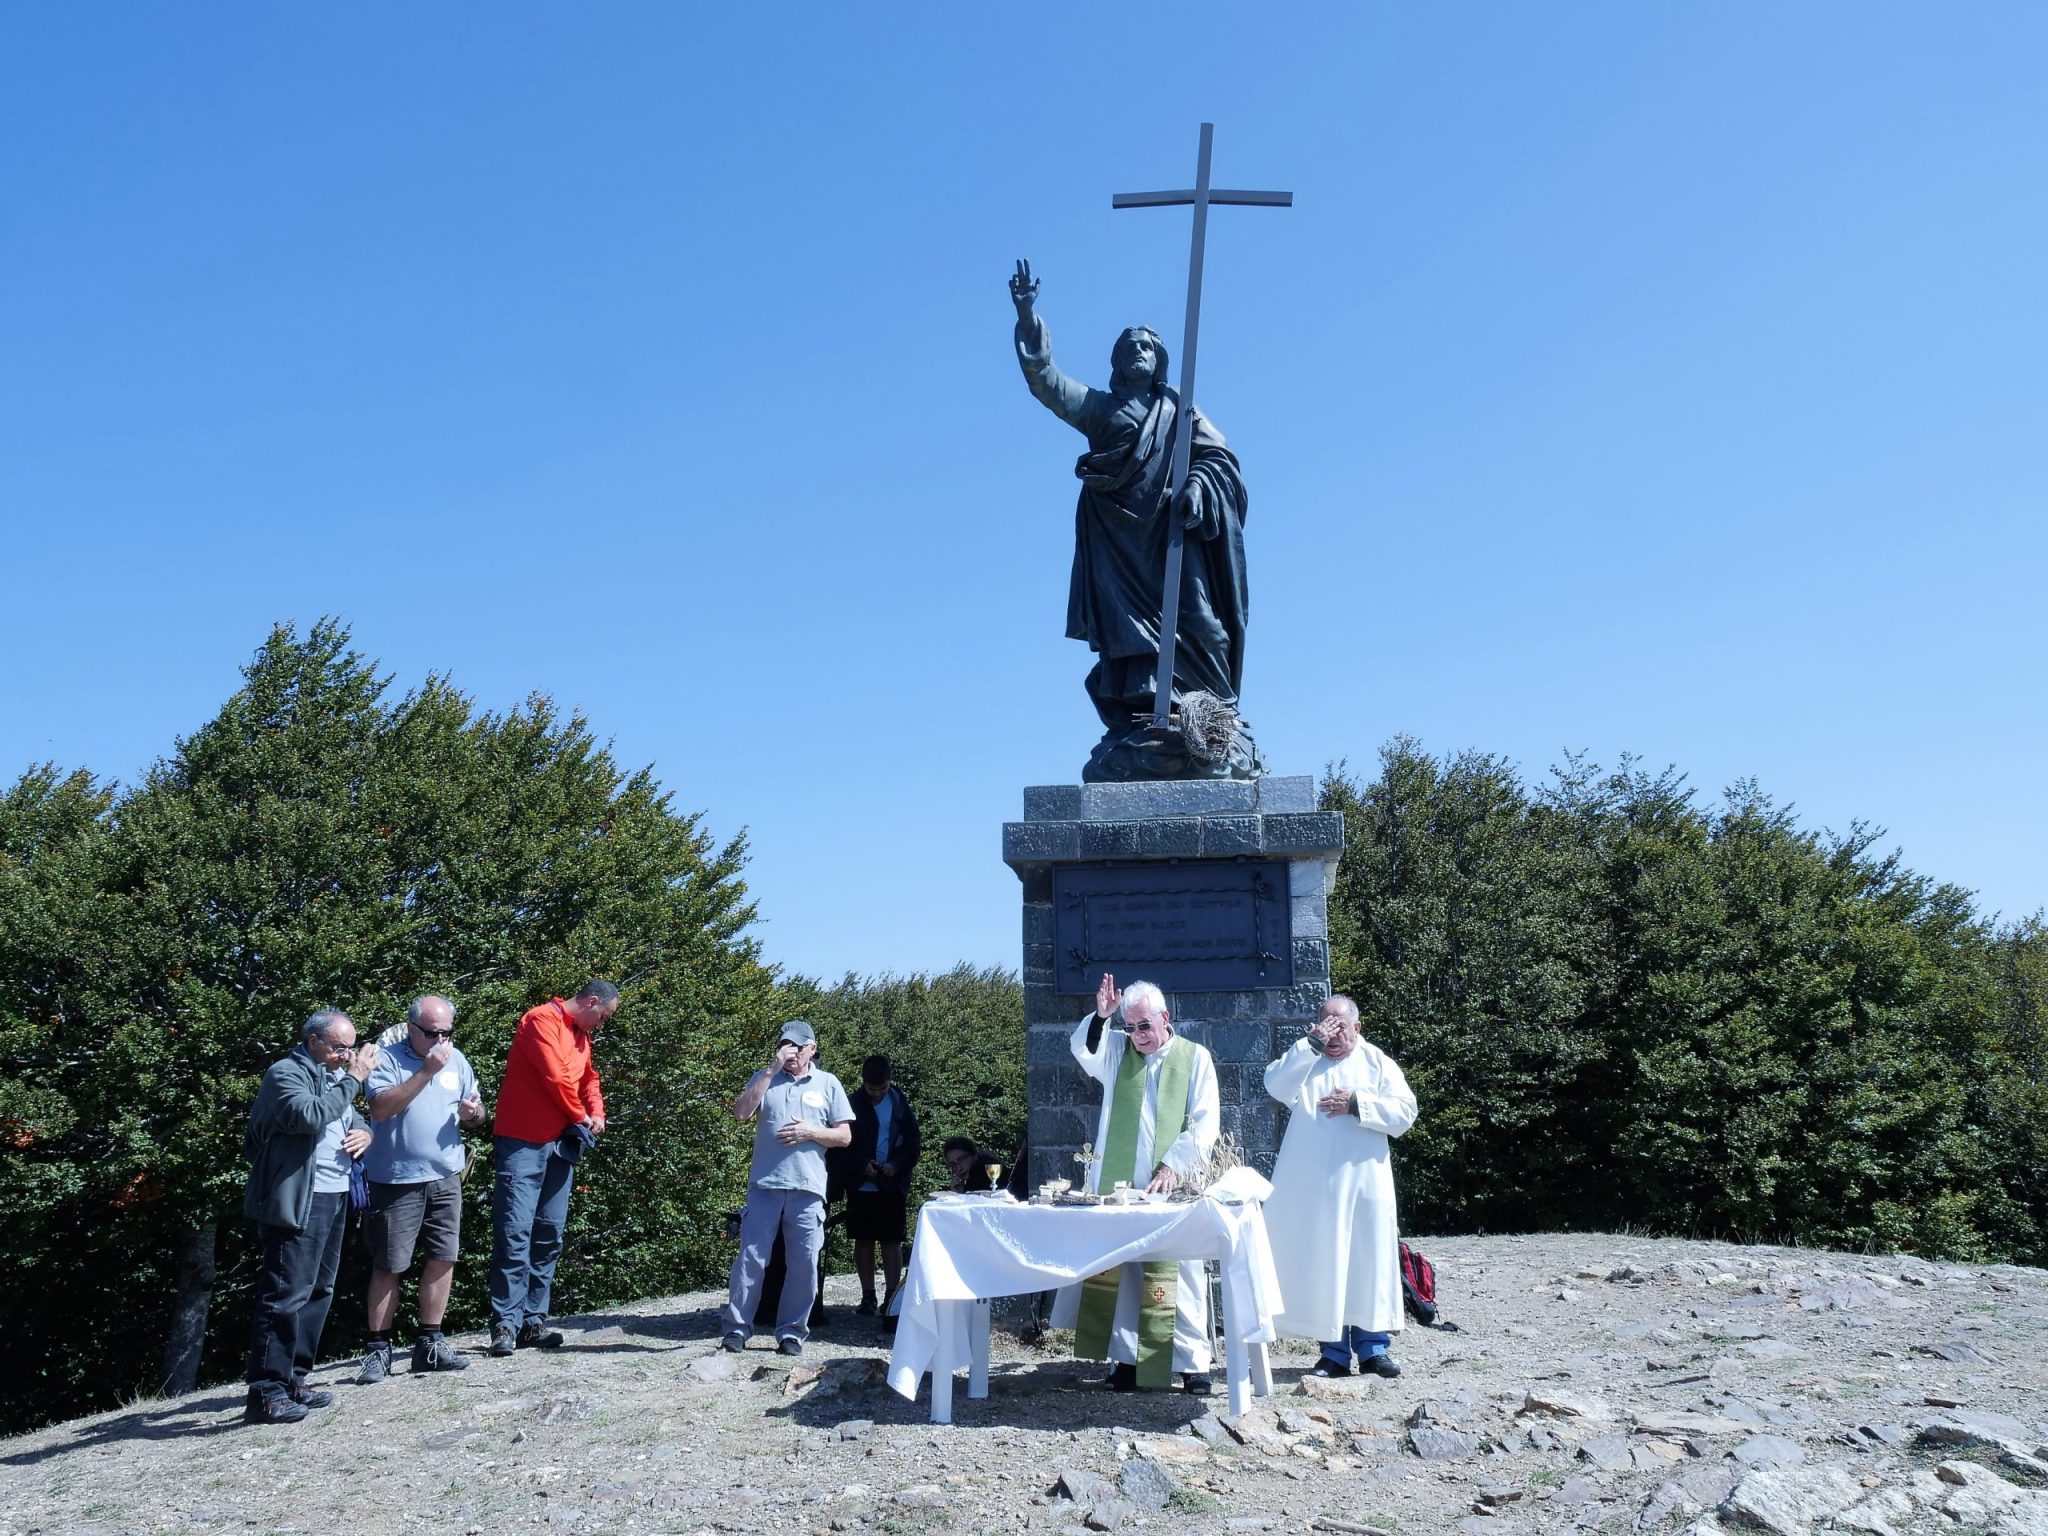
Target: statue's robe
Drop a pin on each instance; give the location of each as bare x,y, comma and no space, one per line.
1121,524
1100,1051
1331,1218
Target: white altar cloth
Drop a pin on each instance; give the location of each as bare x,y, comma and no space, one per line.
970,1248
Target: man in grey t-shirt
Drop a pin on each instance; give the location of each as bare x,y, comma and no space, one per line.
798,1111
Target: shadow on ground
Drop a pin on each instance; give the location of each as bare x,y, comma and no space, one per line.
184,1420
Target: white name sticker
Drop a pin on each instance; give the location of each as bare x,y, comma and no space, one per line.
448,1080
814,1100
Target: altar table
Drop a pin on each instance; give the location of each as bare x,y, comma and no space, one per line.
972,1248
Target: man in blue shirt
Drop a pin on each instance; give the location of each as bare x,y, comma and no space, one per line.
802,1110
421,1093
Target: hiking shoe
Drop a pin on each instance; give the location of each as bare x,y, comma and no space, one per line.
273,1410
310,1397
539,1336
790,1347
376,1364
1327,1367
503,1342
1380,1365
734,1343
437,1354
1196,1383
1122,1378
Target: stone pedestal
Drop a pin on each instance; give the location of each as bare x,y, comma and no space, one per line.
1198,823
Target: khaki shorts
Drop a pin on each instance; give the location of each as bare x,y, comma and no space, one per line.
404,1216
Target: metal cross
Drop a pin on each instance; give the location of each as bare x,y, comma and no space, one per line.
1201,196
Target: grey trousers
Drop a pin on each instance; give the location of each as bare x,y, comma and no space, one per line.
799,1216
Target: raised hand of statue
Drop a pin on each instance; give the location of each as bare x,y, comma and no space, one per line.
1024,294
1107,998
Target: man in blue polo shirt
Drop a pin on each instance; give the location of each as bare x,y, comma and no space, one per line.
798,1111
421,1094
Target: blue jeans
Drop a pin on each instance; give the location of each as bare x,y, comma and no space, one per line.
1356,1341
529,1204
294,1288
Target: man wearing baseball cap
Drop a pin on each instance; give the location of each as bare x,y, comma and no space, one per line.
798,1111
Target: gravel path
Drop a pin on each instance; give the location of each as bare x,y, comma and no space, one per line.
1598,1383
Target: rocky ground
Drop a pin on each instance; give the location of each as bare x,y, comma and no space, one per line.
1597,1384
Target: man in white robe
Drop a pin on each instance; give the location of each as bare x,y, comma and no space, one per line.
1191,1075
1331,1216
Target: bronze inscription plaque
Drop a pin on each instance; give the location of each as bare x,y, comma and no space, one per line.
1188,927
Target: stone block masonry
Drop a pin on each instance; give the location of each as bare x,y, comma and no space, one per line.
1178,822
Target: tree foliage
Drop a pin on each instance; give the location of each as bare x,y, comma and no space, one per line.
322,841
1618,1004
1620,1007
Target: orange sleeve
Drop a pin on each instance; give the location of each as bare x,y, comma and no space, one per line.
541,1049
593,1096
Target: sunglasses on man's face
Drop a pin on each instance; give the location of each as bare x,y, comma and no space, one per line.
435,1034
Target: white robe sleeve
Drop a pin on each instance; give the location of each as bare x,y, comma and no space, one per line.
1389,1107
1197,1139
1287,1078
1100,1063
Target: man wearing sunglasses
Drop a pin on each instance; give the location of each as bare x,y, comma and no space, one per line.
422,1094
1158,1124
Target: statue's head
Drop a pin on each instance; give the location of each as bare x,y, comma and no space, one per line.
1138,360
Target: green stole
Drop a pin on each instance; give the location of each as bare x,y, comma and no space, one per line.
1160,1292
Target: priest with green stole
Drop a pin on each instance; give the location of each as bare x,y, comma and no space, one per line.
1158,1125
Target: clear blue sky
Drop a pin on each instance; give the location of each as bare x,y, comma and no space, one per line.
1628,378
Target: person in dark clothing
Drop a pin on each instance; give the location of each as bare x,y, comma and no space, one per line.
876,1167
973,1165
304,1132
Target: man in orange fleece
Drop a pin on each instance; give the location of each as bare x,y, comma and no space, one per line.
550,1111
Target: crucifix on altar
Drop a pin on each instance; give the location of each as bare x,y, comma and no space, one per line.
1159,589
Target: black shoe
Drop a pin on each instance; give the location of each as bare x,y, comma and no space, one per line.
790,1347
503,1342
539,1336
376,1364
273,1410
437,1354
1196,1383
866,1307
734,1343
1328,1367
310,1397
1122,1378
1380,1365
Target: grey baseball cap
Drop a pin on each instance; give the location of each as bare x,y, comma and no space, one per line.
797,1032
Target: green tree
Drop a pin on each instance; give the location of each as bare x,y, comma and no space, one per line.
1462,927
1620,1008
323,842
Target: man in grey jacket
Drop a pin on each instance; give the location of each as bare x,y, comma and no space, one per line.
304,1131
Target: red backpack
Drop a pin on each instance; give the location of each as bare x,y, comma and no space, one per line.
1418,1286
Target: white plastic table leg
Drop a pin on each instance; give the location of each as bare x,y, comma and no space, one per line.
942,1362
1234,1373
1262,1371
1233,1352
977,1350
